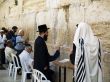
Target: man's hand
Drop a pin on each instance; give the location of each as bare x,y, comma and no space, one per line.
45,68
58,48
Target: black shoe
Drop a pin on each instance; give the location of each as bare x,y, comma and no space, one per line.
29,76
19,73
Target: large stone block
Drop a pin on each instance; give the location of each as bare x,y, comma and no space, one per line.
52,4
41,18
33,5
56,3
61,28
51,21
97,12
76,14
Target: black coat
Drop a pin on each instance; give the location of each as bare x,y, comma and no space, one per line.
41,55
72,55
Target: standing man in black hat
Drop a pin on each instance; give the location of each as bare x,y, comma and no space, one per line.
41,55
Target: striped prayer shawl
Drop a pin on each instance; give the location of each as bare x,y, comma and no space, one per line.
99,57
81,71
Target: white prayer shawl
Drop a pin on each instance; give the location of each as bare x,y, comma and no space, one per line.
88,56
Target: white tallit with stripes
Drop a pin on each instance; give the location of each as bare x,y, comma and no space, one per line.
88,56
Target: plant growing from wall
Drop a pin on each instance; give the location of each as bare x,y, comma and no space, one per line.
16,2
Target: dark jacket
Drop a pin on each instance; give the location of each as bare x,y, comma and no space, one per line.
72,55
11,36
41,55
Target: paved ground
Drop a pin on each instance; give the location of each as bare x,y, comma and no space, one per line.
5,78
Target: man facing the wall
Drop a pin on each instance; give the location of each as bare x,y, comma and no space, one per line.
41,55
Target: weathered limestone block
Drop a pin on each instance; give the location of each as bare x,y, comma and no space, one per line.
97,12
51,17
12,21
80,2
61,28
27,22
4,10
106,67
41,18
56,3
101,29
52,4
1,1
14,11
75,14
64,2
36,5
51,21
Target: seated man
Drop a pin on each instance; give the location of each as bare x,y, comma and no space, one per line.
25,57
8,50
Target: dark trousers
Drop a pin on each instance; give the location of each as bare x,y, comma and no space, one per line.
49,74
18,53
2,56
19,70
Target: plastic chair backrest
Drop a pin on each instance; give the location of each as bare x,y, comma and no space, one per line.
39,75
15,60
7,55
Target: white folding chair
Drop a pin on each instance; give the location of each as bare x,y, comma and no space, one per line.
25,71
10,66
39,76
16,65
10,69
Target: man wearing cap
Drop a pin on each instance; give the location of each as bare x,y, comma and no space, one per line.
11,35
26,59
41,54
2,47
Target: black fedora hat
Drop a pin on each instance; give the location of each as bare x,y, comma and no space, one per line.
42,28
14,27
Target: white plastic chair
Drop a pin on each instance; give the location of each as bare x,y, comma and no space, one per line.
16,65
10,65
10,69
39,76
25,71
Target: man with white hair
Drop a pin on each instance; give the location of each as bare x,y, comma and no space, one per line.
25,57
20,42
87,55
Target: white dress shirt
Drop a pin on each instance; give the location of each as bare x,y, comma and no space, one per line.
26,57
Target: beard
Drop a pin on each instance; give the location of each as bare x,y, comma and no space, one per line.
45,37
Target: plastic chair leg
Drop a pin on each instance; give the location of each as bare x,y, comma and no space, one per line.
15,74
10,69
24,77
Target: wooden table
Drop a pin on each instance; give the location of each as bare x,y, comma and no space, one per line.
64,65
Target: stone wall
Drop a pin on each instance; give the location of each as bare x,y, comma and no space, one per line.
61,16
